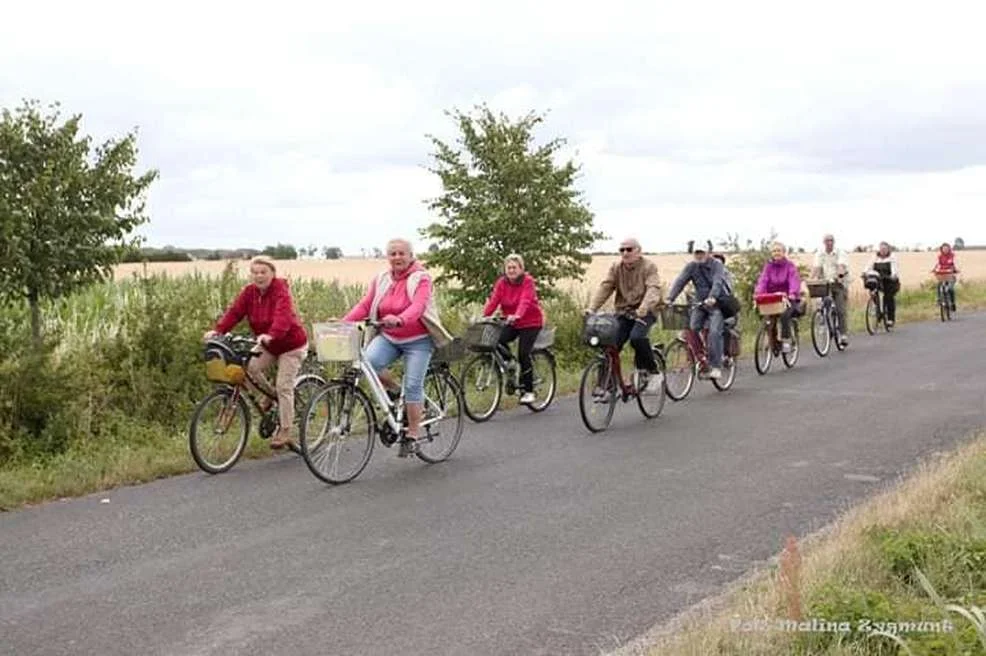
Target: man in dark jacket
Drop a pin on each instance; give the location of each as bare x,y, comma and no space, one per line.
708,275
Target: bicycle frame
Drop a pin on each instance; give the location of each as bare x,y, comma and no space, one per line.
627,390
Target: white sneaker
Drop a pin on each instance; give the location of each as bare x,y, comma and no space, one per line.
715,373
655,384
527,398
786,347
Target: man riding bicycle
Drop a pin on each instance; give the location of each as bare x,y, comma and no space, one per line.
637,285
832,265
708,275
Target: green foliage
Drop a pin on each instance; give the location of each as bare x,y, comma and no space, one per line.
66,211
157,255
502,195
281,252
331,252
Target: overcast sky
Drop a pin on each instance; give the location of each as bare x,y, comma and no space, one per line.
294,123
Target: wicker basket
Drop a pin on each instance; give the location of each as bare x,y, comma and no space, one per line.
337,342
675,317
451,352
603,327
818,288
871,280
769,305
483,336
545,339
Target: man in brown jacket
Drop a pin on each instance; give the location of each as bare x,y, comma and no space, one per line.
638,291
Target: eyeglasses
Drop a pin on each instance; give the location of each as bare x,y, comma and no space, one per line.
626,249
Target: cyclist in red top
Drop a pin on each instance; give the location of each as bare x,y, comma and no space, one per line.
516,295
946,265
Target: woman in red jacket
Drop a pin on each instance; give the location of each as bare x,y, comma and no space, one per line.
267,305
515,294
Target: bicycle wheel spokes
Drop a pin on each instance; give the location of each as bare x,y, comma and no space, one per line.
219,431
763,352
545,380
680,373
482,386
821,338
337,433
872,315
597,395
791,358
444,417
651,403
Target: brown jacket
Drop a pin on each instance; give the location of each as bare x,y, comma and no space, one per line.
636,286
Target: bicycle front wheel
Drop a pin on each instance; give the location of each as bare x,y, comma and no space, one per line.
596,389
482,387
821,336
219,430
872,315
679,370
337,433
443,418
763,350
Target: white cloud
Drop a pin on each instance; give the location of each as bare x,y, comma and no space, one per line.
306,122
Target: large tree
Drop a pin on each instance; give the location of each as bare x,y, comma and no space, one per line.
66,210
504,194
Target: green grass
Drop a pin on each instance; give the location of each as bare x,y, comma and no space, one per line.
110,405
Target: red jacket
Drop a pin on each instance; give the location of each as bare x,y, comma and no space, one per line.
270,313
516,298
946,263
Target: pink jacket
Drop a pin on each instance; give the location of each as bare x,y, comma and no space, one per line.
396,301
517,298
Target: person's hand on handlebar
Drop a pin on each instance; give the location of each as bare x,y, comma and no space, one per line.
209,334
392,321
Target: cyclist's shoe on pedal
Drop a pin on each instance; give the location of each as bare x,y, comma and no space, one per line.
408,447
527,398
785,347
715,373
654,384
844,340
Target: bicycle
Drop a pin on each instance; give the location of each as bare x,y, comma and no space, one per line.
875,314
227,359
358,411
825,325
946,296
494,369
679,317
602,379
767,344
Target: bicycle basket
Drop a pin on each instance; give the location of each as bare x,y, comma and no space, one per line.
871,281
675,317
483,335
605,328
734,341
454,350
337,342
818,288
545,339
771,304
223,364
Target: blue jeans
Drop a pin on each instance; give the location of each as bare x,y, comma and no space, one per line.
381,353
713,315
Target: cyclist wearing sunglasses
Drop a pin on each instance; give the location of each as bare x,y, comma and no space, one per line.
637,285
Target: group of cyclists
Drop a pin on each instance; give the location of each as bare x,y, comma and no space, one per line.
401,299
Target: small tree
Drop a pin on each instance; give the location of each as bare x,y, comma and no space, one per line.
281,252
959,243
331,252
503,194
66,212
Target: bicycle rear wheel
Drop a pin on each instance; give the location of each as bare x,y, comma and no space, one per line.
545,380
223,450
597,387
651,405
444,417
679,370
728,374
337,433
791,358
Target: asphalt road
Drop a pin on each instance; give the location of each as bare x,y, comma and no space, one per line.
535,538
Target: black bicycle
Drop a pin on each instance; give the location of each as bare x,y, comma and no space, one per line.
825,324
875,305
493,371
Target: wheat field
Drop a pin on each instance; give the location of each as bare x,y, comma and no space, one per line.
914,268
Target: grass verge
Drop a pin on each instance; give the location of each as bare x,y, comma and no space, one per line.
902,573
151,452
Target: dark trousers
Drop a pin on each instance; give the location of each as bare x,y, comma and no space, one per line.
636,333
793,310
525,343
890,289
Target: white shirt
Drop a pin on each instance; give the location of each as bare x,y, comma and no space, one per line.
890,259
829,263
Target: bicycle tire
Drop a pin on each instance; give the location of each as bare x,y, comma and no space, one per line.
358,396
302,382
606,374
818,321
452,383
242,409
724,383
791,359
553,384
679,344
759,362
647,412
872,318
473,364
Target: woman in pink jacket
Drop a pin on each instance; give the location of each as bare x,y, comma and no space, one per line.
780,274
404,332
516,295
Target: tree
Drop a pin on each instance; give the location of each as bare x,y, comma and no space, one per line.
66,211
281,252
331,252
503,194
959,243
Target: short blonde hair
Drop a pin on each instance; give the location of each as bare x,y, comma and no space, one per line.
403,242
514,257
266,261
778,244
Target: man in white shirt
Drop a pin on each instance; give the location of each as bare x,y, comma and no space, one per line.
832,264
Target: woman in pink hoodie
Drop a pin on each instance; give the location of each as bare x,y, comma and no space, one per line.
781,275
404,332
516,294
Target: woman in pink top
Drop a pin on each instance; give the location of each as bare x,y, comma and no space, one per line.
516,294
404,332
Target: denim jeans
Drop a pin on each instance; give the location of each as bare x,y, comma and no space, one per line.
381,353
713,315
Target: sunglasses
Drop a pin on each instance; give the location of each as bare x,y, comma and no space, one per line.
626,249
